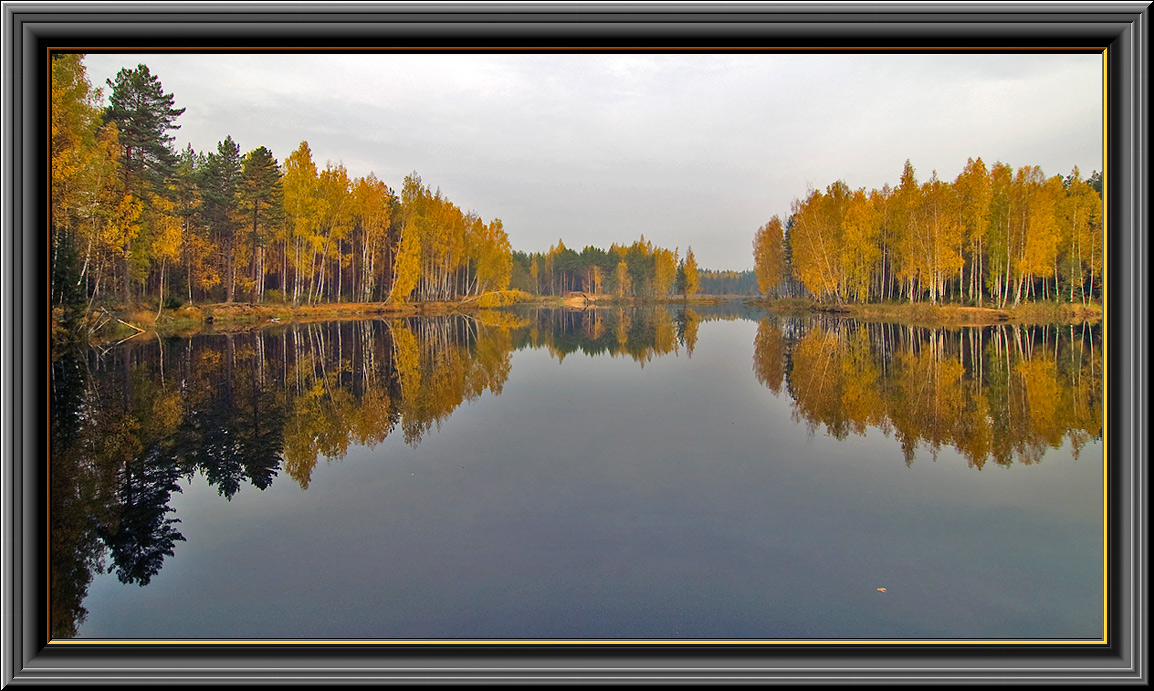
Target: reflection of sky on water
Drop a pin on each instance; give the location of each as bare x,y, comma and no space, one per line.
597,498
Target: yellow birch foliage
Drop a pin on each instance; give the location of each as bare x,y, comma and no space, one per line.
945,234
975,193
494,256
769,255
335,210
1081,214
301,201
692,279
861,248
124,225
622,282
166,230
816,240
407,264
1043,234
906,210
664,271
74,123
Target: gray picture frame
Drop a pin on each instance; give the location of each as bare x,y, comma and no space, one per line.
31,29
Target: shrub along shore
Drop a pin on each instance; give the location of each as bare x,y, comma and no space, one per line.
927,314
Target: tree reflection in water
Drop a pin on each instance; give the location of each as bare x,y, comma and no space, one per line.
1004,393
132,424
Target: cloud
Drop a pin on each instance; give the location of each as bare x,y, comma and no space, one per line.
689,148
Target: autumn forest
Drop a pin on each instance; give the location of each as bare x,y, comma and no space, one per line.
992,236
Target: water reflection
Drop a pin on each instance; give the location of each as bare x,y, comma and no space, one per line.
1002,393
637,334
130,426
238,409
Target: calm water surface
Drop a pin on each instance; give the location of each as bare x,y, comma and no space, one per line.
714,473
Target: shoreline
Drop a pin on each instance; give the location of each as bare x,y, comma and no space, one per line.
947,315
121,324
239,317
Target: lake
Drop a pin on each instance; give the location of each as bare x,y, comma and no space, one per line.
709,473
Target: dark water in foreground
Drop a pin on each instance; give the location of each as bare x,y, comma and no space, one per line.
552,475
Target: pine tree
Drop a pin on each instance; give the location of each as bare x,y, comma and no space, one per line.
144,115
220,183
261,190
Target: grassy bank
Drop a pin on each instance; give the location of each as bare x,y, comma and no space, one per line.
107,325
112,324
925,314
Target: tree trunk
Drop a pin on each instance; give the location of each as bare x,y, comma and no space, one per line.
228,269
125,269
255,250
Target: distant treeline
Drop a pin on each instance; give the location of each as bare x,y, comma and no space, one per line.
992,236
638,270
728,282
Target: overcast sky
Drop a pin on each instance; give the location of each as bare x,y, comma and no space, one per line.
688,149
